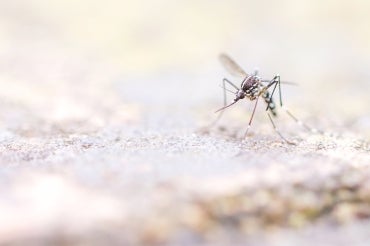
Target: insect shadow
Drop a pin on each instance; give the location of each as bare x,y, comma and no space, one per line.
253,88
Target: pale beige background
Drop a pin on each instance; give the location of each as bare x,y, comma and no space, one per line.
324,46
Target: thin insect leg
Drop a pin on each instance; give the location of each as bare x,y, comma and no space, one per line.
230,83
250,120
282,82
232,92
277,130
299,122
280,97
275,82
224,81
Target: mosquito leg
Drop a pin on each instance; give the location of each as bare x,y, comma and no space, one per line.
275,82
278,132
282,82
250,120
230,83
299,122
224,81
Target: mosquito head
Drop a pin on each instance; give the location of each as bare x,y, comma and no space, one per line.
239,95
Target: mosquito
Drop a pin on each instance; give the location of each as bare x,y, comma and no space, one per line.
253,88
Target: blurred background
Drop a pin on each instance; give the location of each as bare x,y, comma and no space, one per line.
105,62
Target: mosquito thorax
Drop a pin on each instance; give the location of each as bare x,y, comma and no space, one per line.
250,82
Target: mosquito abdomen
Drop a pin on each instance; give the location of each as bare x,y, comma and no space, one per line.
270,103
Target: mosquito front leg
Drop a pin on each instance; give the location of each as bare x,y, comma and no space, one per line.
224,81
250,120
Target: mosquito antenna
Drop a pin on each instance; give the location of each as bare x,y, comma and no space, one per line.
225,107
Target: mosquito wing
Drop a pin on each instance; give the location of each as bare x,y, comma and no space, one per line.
231,66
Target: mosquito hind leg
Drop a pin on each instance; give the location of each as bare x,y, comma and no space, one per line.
298,121
278,132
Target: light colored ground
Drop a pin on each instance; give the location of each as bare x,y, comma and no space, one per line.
103,114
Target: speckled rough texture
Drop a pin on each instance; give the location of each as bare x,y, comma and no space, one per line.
104,115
